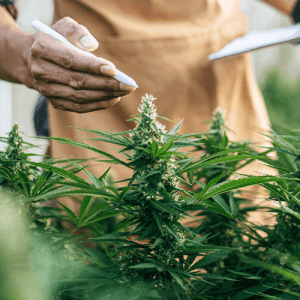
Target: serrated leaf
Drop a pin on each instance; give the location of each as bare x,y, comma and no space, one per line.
222,203
5,173
176,128
241,295
146,150
154,147
42,179
69,212
208,259
25,182
177,278
164,208
94,179
224,140
233,206
158,220
150,229
207,275
291,275
97,216
209,185
86,146
233,184
173,232
86,203
147,266
157,242
287,209
59,171
98,257
165,147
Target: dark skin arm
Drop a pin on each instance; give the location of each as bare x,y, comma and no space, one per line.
70,80
285,6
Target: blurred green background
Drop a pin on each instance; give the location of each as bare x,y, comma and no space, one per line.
282,98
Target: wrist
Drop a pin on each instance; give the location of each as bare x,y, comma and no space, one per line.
19,44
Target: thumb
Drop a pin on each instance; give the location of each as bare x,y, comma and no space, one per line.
77,34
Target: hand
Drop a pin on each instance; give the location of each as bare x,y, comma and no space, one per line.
69,79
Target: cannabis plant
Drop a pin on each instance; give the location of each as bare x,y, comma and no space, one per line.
150,253
153,253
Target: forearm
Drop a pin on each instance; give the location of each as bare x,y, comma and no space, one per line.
14,43
285,6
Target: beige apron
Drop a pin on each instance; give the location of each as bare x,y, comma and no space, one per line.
165,49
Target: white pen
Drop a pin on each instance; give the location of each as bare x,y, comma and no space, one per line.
120,76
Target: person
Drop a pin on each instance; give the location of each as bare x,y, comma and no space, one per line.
163,47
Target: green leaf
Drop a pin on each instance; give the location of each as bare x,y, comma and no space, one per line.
154,147
224,159
86,146
177,278
165,147
208,259
98,257
69,212
233,206
86,203
222,203
146,150
95,217
208,206
147,266
293,276
25,182
209,185
203,249
172,230
94,179
241,295
287,209
285,291
65,191
164,208
157,242
104,174
224,141
6,173
150,229
114,235
207,275
158,220
230,185
42,179
176,128
59,171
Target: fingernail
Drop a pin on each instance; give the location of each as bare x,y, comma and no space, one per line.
89,41
126,87
107,70
114,101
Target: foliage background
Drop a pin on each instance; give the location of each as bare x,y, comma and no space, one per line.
282,98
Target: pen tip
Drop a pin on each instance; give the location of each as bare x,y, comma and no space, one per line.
122,77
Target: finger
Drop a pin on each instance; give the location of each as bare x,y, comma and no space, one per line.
77,34
48,48
45,71
77,96
62,104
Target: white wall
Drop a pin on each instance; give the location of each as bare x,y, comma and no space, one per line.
5,110
286,57
23,99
